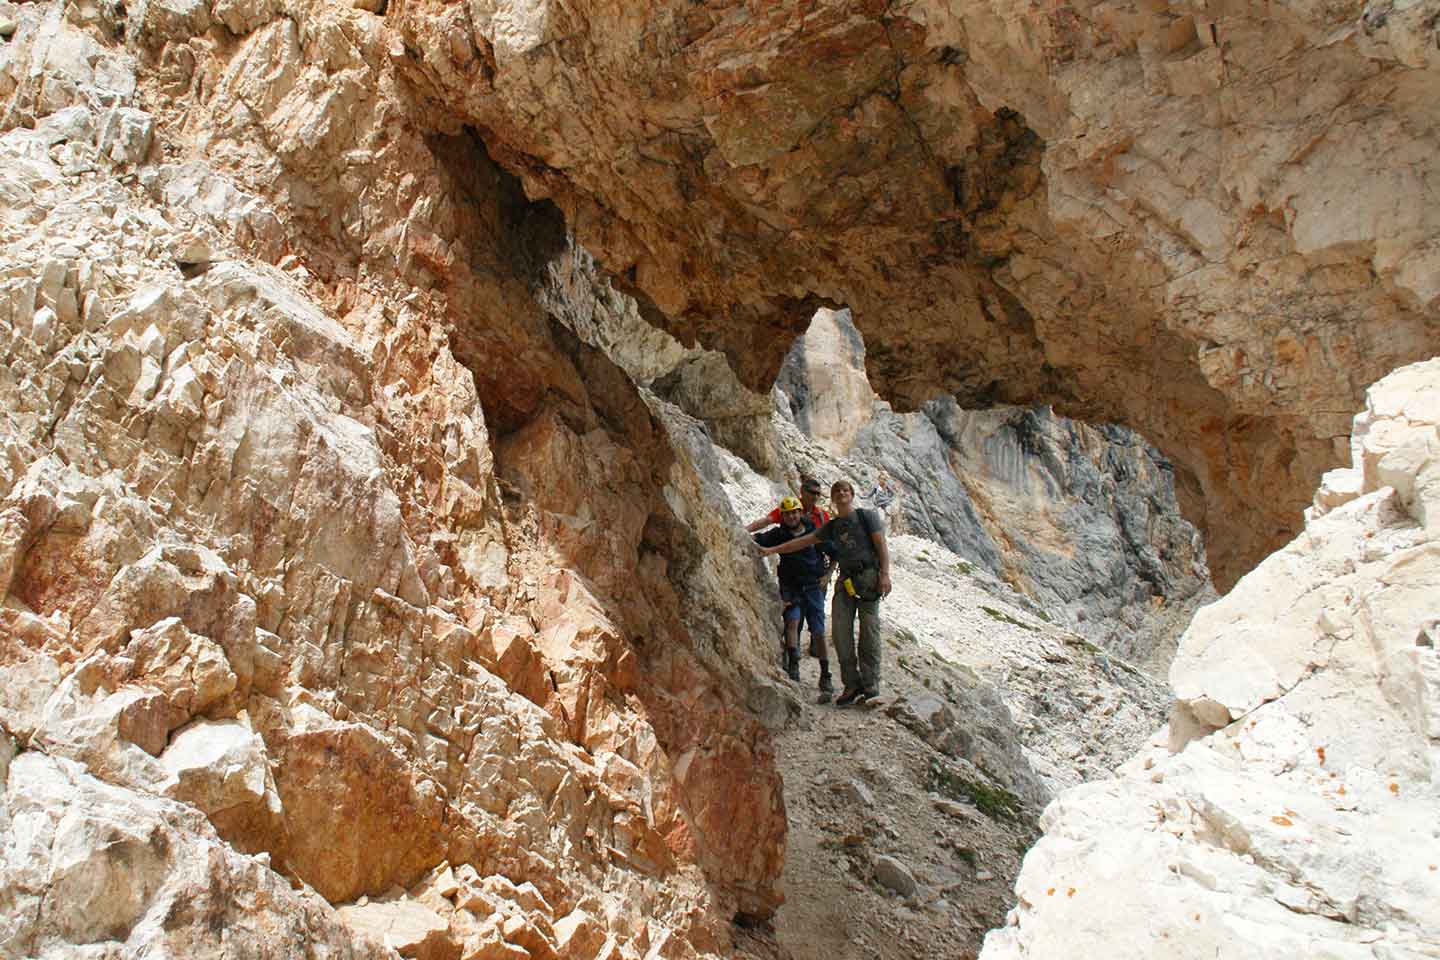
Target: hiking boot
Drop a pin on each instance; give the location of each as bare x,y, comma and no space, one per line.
867,693
827,686
792,665
848,697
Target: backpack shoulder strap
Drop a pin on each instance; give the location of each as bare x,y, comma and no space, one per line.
868,521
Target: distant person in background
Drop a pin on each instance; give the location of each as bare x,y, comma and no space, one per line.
881,495
803,575
858,539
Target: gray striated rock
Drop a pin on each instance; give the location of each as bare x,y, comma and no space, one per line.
1082,520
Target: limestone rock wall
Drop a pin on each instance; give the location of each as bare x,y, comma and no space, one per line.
698,381
1291,812
1082,519
1203,222
338,566
824,383
326,555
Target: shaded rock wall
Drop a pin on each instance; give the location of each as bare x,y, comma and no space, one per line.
1199,222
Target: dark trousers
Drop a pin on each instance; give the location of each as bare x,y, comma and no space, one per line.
862,672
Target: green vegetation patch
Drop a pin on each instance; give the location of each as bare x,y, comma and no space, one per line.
1006,618
997,803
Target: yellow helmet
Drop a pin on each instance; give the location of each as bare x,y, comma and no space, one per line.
789,503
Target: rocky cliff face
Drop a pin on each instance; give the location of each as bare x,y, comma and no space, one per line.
339,567
1200,222
289,582
1081,520
1291,812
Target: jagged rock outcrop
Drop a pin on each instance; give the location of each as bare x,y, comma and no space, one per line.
697,381
92,864
1082,520
319,600
1195,222
824,388
334,553
1293,810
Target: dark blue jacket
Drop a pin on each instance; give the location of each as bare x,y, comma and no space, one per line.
803,567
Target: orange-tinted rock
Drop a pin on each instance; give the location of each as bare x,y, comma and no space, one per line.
147,722
359,820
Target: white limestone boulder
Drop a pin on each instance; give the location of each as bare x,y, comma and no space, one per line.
1294,814
71,123
125,135
243,16
220,766
156,21
408,926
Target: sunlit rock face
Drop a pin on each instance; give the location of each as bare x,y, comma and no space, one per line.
1292,811
824,382
1200,222
328,558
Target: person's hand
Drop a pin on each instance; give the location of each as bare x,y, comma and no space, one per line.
884,584
766,551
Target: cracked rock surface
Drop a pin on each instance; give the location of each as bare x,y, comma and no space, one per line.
301,608
1207,224
1290,810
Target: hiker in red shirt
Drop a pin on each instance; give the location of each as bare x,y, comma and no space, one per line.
810,491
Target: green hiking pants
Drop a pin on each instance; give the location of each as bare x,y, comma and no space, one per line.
843,610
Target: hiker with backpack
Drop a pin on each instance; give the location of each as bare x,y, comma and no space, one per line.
803,575
858,539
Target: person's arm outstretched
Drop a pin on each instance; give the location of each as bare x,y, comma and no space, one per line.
790,546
